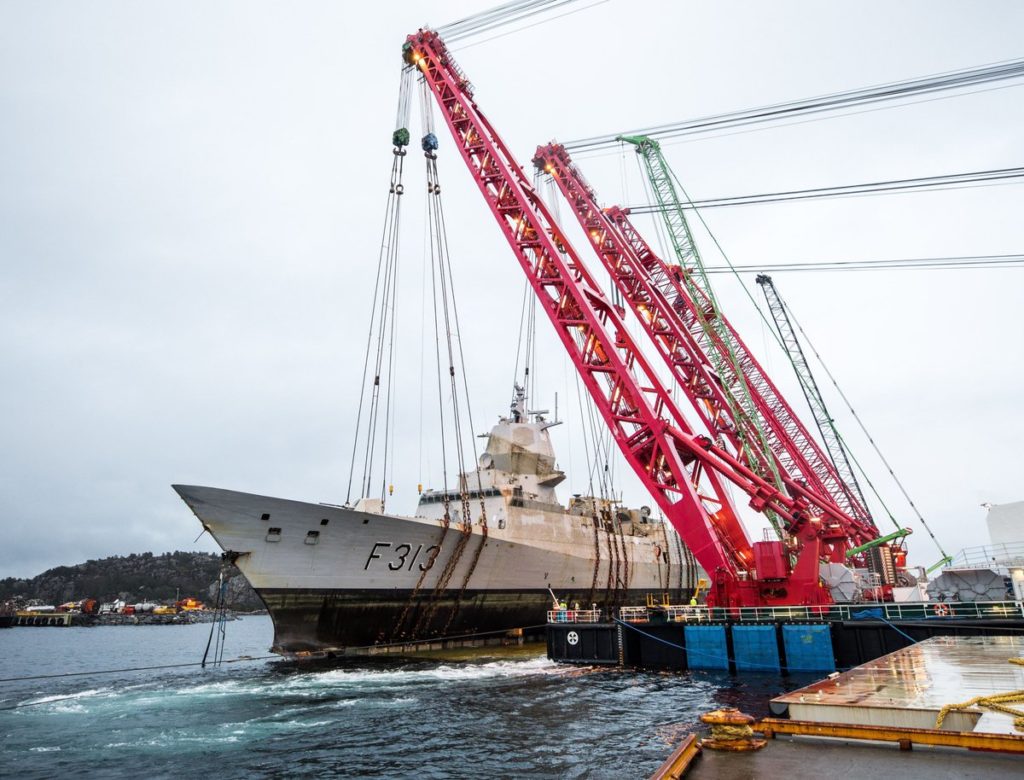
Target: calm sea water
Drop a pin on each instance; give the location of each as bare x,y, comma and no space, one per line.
490,716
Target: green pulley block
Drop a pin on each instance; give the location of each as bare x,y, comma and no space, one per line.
400,137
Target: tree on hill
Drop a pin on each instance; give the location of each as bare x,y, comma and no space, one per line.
135,577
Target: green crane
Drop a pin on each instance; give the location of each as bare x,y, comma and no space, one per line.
741,404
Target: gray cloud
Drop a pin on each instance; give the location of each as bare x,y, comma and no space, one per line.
190,210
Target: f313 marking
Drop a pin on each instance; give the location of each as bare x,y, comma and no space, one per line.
396,556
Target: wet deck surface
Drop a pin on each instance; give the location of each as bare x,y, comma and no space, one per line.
909,687
797,758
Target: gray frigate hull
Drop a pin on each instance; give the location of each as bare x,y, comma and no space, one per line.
335,578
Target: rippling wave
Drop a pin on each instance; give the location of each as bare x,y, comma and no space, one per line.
496,716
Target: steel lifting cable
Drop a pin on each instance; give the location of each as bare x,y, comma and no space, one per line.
956,262
594,513
778,339
519,339
940,183
597,503
776,336
445,301
603,502
468,23
446,256
664,244
755,448
946,558
499,16
387,331
618,561
442,295
611,520
426,615
426,120
603,507
545,20
382,302
880,93
598,500
218,625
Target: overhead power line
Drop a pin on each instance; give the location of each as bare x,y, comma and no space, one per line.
853,98
941,182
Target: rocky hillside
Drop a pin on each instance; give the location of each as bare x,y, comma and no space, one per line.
141,577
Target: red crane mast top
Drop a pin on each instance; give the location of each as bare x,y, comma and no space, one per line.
682,471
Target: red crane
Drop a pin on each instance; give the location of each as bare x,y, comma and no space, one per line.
683,471
668,313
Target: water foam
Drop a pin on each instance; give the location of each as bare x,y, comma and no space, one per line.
67,696
445,672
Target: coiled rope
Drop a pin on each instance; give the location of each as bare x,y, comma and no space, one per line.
998,703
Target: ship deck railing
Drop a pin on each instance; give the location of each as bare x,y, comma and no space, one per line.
977,610
998,557
916,610
574,616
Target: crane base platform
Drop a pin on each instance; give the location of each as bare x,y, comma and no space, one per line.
841,640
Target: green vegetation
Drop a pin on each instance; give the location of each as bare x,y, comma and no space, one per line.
136,577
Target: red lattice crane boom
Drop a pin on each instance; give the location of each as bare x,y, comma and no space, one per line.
683,471
668,313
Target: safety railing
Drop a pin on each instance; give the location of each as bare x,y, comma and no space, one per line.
574,616
992,556
633,614
980,610
917,610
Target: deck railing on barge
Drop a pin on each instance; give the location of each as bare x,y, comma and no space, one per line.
574,616
976,610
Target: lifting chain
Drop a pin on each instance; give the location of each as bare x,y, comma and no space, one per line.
472,568
613,558
691,570
434,601
597,553
396,633
666,554
625,559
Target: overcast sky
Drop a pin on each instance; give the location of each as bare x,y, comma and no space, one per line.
191,197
